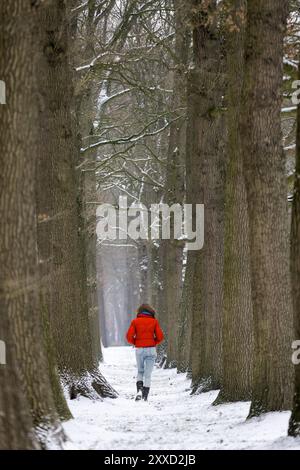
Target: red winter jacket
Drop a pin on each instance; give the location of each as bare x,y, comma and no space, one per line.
144,332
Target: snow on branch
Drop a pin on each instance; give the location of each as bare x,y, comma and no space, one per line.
95,60
291,63
80,8
111,157
290,147
105,99
288,109
133,138
117,57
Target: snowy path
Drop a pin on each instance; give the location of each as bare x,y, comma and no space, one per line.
172,419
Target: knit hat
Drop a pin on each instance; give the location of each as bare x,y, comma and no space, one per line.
145,309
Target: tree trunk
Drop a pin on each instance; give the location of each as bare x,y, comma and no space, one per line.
16,428
185,321
264,170
162,347
174,187
155,273
145,272
205,94
237,314
86,113
45,213
294,425
19,275
69,319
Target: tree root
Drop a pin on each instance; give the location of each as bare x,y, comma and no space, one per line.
50,436
203,385
91,385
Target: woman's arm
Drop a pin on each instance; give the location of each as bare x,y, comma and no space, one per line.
159,336
131,333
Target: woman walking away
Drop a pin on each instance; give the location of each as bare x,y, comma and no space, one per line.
144,333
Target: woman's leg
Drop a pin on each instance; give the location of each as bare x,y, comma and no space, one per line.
140,364
149,360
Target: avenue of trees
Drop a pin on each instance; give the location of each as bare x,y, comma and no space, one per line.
173,101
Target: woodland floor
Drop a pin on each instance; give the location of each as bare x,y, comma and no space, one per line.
172,419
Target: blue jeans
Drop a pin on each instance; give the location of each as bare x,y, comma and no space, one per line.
145,358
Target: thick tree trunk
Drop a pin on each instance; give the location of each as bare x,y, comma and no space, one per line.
174,188
89,196
69,318
188,333
264,170
294,425
205,94
185,320
101,303
86,113
45,213
16,428
237,314
172,270
19,275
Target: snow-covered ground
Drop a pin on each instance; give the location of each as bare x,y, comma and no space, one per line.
172,419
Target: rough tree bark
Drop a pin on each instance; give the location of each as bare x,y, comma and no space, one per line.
19,275
205,92
264,170
294,424
237,312
16,428
174,188
86,112
185,322
101,303
45,212
69,322
144,262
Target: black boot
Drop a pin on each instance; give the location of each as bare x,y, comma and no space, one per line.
139,388
145,393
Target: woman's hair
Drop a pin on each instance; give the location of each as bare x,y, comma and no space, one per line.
146,308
